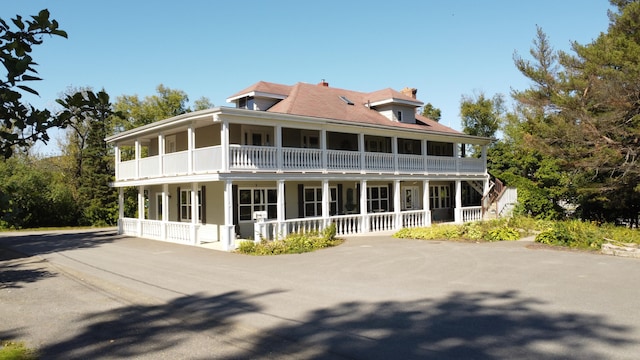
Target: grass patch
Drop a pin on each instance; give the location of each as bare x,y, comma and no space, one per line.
296,243
16,350
492,230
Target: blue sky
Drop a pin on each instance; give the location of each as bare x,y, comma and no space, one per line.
445,49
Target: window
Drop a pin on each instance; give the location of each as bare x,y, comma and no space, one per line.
440,196
439,148
377,199
261,199
377,144
257,138
185,205
313,201
246,103
399,115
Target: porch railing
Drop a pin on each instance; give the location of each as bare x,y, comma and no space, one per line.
244,157
471,213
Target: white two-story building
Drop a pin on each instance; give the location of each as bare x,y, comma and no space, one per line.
297,158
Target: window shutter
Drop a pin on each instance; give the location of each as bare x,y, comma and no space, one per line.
300,200
234,190
203,194
356,197
179,212
390,199
339,205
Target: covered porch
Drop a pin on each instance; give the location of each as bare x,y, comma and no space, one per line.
221,211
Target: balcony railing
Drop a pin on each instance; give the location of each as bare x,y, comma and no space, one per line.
267,158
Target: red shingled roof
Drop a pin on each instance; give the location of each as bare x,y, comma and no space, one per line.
326,102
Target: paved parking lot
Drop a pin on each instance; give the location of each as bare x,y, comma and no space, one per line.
94,294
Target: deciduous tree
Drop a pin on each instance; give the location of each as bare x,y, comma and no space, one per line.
22,124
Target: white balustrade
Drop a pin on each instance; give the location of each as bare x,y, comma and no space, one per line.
410,163
471,213
252,157
413,218
127,170
343,160
129,226
378,161
381,221
207,159
347,224
176,163
296,158
152,229
179,232
441,164
149,167
471,165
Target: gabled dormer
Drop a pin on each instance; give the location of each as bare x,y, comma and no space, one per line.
396,106
260,96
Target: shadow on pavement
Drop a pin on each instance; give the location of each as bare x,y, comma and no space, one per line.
477,325
50,242
16,267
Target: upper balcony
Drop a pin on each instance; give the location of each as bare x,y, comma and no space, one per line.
201,146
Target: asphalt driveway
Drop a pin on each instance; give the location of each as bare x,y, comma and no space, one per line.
94,294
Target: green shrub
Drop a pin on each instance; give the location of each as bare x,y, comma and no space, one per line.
295,243
503,233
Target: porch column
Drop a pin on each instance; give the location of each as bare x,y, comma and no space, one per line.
280,207
394,150
456,156
484,158
194,213
228,234
116,151
278,139
191,146
140,209
161,147
326,196
323,147
426,203
165,211
457,212
363,206
224,145
120,209
397,205
424,155
363,167
137,158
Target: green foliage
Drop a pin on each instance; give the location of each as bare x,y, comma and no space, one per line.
493,230
481,116
295,243
35,193
574,233
581,113
503,234
22,124
12,350
431,112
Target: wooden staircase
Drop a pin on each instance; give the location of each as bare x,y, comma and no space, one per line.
499,201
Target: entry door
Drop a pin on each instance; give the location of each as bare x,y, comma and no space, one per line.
410,198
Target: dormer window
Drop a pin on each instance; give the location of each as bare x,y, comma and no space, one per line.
399,115
246,103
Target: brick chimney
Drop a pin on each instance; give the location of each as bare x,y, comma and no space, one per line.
323,83
411,92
